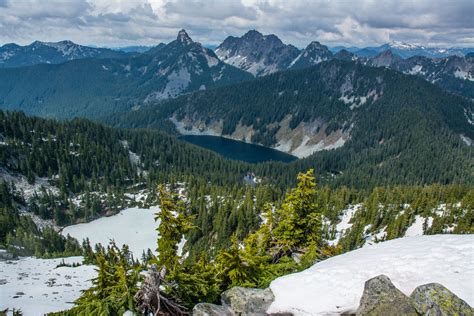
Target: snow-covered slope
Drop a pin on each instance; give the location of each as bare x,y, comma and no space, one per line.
37,287
135,227
336,285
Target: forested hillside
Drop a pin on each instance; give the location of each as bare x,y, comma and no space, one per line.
395,129
60,173
97,87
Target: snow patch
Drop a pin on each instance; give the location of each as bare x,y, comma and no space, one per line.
462,74
29,190
305,149
135,227
211,61
338,282
184,129
466,140
416,70
344,224
37,287
178,81
416,229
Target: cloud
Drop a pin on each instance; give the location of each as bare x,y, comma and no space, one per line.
148,22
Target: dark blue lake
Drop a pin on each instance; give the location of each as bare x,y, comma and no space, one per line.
237,150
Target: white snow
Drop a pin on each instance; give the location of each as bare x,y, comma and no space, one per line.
372,239
135,227
21,184
336,285
183,130
415,70
462,74
305,149
178,81
466,140
211,60
45,288
344,223
416,229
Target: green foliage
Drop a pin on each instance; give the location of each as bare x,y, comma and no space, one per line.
292,230
113,290
174,224
20,235
408,135
299,219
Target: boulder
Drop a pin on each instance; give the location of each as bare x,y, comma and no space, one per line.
206,309
381,297
248,301
434,299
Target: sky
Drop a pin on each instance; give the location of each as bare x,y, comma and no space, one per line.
115,23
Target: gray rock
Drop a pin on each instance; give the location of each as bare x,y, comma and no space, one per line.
435,300
247,301
381,297
206,309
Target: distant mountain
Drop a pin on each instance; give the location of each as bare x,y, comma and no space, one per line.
313,54
133,49
265,54
385,59
407,50
453,73
98,87
257,53
345,55
12,55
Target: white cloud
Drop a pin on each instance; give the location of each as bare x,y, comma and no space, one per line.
124,22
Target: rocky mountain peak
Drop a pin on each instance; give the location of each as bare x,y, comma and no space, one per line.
385,59
184,38
344,55
252,35
257,53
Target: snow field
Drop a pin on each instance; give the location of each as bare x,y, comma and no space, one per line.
335,285
135,227
37,287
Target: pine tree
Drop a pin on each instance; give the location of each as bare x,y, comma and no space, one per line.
299,219
174,223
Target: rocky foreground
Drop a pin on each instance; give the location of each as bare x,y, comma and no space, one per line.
424,275
380,297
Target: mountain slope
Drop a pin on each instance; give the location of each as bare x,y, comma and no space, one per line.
263,55
98,87
12,55
407,50
454,73
313,54
377,121
256,53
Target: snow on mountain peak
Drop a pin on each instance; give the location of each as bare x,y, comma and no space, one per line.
404,45
184,38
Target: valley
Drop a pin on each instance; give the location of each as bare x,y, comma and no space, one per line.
239,176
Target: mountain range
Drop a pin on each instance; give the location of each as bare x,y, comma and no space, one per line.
382,112
406,50
13,55
265,54
97,87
